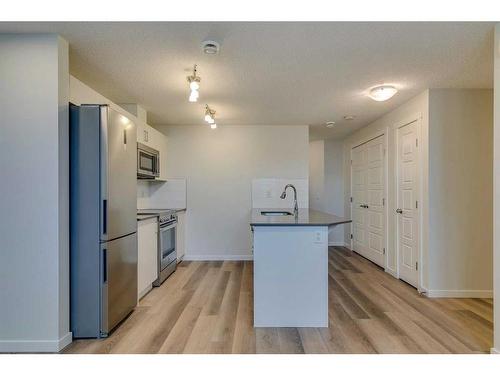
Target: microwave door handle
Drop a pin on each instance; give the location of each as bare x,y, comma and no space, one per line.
157,165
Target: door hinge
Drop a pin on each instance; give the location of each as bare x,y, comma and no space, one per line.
351,162
383,251
351,199
416,142
416,266
383,201
416,204
351,236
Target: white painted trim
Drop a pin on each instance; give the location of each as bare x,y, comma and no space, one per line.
460,293
494,351
208,257
35,346
391,272
336,244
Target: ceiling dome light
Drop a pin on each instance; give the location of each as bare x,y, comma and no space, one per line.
210,47
194,85
330,124
382,93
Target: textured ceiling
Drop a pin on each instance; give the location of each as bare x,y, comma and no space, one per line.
274,73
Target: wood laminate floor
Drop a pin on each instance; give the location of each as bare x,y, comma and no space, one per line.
207,307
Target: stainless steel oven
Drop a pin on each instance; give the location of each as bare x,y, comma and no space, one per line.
148,162
167,254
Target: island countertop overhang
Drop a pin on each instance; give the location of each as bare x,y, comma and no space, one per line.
306,217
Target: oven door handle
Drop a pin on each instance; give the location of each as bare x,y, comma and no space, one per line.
171,226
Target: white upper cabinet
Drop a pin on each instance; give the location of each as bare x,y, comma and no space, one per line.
154,139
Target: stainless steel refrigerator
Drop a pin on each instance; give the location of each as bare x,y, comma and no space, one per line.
103,224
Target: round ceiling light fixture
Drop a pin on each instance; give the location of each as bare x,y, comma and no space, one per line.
382,93
210,47
330,124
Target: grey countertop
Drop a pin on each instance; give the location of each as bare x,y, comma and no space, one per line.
146,217
306,217
145,214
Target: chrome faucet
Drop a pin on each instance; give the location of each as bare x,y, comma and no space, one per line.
295,205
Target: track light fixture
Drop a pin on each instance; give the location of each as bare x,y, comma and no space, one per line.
194,85
210,116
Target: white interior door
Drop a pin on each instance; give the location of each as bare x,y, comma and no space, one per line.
368,189
358,189
375,201
407,202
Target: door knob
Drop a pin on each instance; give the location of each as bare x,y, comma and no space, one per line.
399,211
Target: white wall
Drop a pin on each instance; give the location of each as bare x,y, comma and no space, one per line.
317,175
456,188
496,193
460,192
415,108
219,166
34,227
326,183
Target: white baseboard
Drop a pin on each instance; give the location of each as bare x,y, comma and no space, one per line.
494,351
348,245
209,257
35,346
459,293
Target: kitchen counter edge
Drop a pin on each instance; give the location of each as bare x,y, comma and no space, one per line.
306,217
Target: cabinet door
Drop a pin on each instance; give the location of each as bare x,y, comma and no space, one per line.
180,235
147,264
143,133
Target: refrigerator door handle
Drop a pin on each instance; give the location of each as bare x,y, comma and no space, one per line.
104,216
104,265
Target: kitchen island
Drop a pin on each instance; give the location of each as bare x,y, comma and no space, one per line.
291,267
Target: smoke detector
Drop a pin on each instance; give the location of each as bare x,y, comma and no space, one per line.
210,47
349,117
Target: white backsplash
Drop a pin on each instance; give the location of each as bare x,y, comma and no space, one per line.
143,194
266,193
170,194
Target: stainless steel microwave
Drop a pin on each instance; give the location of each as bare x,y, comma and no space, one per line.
148,162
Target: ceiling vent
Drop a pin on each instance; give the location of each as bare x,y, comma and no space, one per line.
210,47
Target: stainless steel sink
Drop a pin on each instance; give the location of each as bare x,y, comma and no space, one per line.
275,213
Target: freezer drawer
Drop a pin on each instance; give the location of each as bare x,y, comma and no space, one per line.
119,277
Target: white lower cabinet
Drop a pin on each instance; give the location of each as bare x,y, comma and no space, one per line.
180,238
147,262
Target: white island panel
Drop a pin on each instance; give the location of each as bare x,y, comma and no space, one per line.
290,276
